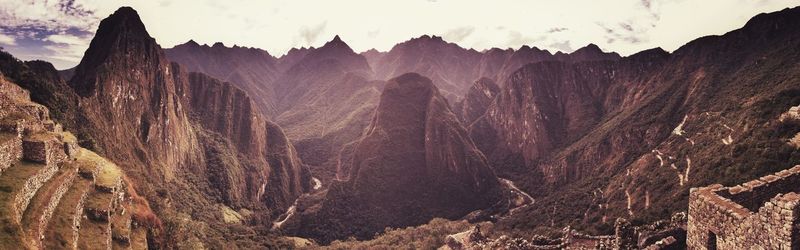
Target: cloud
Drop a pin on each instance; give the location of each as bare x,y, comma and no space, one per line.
373,33
556,30
66,39
517,39
7,40
458,34
52,15
310,35
564,46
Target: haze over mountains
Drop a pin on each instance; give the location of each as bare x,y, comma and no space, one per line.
235,148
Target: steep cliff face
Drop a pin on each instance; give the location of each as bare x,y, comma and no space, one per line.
414,163
266,168
477,100
250,69
662,124
190,141
128,95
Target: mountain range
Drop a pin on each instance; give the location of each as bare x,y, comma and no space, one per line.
233,147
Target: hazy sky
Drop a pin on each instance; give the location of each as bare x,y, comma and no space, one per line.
59,31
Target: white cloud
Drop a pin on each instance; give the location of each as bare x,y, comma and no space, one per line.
7,40
68,39
278,25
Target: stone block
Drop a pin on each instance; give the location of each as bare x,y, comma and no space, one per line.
43,148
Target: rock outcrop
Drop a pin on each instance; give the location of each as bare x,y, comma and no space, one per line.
250,69
414,163
629,137
187,140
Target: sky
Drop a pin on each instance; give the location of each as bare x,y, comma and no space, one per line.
59,31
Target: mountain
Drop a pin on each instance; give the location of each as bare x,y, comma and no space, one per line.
629,137
152,117
453,69
319,66
250,69
449,66
415,162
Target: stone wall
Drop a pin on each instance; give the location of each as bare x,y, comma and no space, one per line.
10,150
44,149
760,213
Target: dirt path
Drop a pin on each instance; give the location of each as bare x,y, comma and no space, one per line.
523,199
289,213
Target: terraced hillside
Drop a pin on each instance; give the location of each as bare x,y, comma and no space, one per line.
55,194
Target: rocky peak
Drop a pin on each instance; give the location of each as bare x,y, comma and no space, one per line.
191,43
415,163
592,52
120,39
337,45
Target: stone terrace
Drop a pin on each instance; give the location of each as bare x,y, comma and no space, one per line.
53,193
760,214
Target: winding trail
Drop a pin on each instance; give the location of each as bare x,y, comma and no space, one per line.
317,183
289,213
526,199
293,209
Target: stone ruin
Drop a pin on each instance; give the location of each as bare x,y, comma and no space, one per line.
761,213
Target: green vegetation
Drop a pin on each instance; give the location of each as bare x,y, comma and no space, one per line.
427,236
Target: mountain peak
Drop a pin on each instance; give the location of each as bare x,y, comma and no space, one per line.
120,39
191,42
125,18
336,39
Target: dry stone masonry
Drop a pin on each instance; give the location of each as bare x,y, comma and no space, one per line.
53,193
761,213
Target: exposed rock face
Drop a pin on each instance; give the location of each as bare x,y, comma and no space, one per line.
250,69
477,100
636,133
230,117
414,163
191,140
128,95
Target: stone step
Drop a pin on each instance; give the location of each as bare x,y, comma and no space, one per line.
121,224
107,176
43,147
10,150
44,203
94,234
138,238
52,126
70,144
62,231
100,205
18,185
38,111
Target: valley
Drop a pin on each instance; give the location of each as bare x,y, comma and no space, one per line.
428,145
